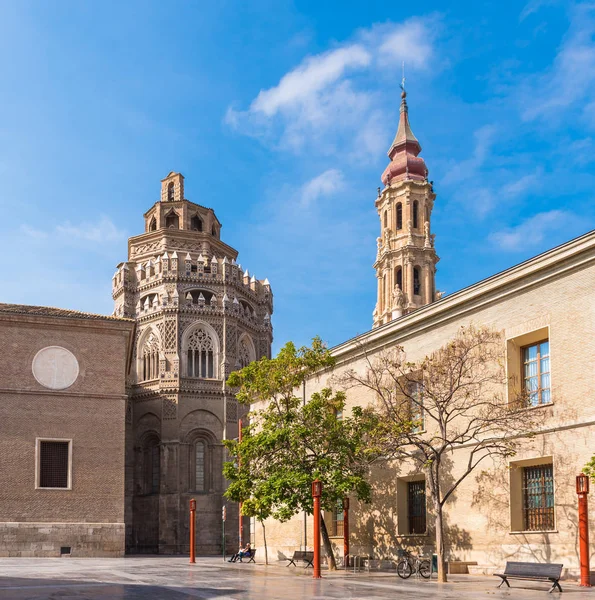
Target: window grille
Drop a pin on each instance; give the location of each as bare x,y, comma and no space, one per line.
337,523
538,498
415,211
416,506
53,464
536,373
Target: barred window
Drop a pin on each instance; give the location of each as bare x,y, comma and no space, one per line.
416,506
538,498
399,216
53,464
337,520
536,373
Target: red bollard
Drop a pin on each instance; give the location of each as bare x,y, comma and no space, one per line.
240,519
316,493
346,532
192,530
582,489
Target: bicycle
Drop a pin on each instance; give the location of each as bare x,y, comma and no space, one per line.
410,564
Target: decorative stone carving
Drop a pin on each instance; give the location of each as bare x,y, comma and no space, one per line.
427,240
55,368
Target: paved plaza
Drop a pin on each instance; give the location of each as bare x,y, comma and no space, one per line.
172,578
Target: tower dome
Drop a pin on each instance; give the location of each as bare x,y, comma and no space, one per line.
403,153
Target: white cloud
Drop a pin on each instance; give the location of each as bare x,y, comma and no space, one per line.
524,184
101,231
533,230
32,232
534,6
328,100
467,169
326,184
308,79
409,42
572,75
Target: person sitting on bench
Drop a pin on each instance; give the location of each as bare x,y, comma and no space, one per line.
241,553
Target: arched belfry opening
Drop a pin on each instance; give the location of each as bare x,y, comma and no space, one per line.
172,221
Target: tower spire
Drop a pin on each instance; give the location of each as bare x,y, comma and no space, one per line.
403,152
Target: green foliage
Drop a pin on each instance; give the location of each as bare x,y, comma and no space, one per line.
590,469
288,444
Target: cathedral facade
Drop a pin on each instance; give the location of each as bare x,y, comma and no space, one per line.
198,317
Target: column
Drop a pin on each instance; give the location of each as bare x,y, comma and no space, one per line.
408,283
428,283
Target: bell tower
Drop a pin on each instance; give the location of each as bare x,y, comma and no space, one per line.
406,259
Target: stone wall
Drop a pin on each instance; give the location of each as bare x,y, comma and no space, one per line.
55,539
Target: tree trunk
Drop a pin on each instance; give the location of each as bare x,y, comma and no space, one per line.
440,543
326,540
264,537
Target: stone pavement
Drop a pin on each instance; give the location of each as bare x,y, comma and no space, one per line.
172,578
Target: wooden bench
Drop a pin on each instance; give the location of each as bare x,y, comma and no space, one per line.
250,556
533,572
303,555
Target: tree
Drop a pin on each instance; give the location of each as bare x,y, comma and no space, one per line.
589,469
289,443
453,399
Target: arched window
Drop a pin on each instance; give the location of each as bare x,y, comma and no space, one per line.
153,224
415,211
399,277
170,191
383,291
385,219
196,223
246,353
149,358
214,231
399,216
416,281
199,466
201,355
172,221
151,465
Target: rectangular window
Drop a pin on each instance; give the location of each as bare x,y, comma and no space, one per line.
416,506
536,373
538,498
337,524
53,464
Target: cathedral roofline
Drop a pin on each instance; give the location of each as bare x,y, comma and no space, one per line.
50,311
547,265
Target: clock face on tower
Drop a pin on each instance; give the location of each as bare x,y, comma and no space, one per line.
55,368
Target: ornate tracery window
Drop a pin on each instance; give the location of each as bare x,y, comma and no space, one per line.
150,358
201,354
244,354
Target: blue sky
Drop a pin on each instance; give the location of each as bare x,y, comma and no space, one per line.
279,114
